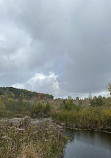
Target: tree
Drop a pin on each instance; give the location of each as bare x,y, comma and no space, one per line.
68,105
37,110
47,108
109,87
69,98
90,96
96,101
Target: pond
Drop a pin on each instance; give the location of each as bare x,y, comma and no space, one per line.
88,144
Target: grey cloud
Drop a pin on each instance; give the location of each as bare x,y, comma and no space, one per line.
70,38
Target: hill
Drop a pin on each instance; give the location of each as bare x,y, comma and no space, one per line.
17,93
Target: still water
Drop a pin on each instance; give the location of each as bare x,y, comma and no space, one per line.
88,144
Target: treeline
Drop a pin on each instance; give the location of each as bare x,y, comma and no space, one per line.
91,117
93,101
18,93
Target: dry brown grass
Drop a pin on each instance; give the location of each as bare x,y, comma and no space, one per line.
28,152
42,140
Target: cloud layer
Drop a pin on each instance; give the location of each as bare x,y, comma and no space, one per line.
71,39
41,83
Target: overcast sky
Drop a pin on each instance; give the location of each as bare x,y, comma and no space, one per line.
60,47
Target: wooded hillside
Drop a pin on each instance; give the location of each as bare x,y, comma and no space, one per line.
17,93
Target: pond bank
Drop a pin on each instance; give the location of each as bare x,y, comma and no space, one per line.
77,127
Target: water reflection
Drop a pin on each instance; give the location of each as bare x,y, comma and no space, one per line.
88,144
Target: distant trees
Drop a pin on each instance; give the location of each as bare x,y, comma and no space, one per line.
20,102
22,93
70,105
69,98
96,101
3,110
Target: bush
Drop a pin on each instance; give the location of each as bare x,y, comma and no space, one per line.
88,117
39,110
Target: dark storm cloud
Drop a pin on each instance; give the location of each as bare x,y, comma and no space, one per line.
69,38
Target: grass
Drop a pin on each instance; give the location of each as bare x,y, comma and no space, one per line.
43,140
